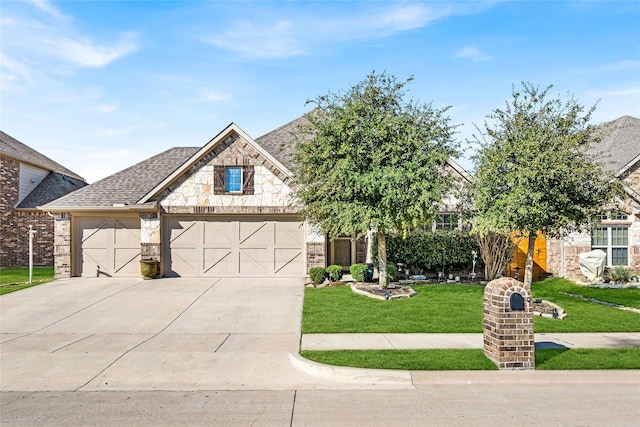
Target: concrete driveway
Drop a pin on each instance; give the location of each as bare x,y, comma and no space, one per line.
130,334
224,352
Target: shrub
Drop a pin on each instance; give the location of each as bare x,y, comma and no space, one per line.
318,274
392,272
334,272
621,275
433,251
358,272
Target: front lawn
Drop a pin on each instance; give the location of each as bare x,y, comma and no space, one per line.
456,308
435,308
14,279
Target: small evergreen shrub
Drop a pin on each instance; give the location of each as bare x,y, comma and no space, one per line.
358,272
392,272
621,275
334,272
318,274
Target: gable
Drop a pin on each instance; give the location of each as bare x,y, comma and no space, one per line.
202,185
14,149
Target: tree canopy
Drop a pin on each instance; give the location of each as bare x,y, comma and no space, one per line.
534,172
368,159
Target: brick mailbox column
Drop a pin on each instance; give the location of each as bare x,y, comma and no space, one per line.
508,324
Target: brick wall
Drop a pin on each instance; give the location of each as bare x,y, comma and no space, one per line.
14,226
316,255
508,334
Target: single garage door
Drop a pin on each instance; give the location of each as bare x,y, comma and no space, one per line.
234,247
111,245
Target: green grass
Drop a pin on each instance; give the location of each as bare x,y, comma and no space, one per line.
588,358
454,308
463,359
586,316
435,308
412,360
14,279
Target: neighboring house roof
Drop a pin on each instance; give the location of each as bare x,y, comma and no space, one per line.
53,186
11,147
620,144
128,186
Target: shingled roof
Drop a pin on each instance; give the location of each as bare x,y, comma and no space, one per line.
50,188
620,144
278,142
128,186
12,148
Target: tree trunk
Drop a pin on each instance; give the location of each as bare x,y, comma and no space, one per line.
382,259
495,250
528,271
369,259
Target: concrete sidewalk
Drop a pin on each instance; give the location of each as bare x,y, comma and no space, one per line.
433,341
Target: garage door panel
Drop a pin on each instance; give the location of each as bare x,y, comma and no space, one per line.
253,261
287,261
217,261
110,245
218,234
253,234
232,247
183,234
126,261
288,235
182,259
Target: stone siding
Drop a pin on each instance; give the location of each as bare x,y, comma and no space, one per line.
14,225
62,246
631,177
316,255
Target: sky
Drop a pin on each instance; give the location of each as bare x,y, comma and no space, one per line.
101,85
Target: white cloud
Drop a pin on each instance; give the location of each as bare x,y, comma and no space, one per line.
274,41
85,52
108,108
47,7
625,64
275,37
44,41
472,53
615,102
209,95
13,71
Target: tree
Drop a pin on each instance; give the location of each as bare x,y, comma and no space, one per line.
496,250
368,159
534,172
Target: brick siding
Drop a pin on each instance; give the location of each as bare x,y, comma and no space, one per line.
508,334
14,226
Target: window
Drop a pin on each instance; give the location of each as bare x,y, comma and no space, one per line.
233,182
612,237
447,221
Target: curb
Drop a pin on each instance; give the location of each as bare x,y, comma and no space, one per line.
328,375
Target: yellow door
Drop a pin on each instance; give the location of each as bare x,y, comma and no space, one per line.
519,261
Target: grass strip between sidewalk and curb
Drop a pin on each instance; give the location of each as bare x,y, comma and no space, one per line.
474,359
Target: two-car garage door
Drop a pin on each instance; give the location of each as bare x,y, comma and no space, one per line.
194,247
234,247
